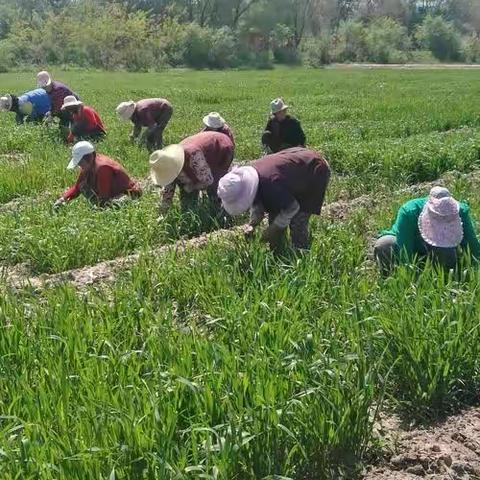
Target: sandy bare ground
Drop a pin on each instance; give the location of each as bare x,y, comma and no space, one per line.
445,451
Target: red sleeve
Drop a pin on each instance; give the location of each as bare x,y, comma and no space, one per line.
104,183
73,191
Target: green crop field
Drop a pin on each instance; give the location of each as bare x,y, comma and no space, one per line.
227,362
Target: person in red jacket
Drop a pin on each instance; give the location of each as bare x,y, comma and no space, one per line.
85,123
101,179
196,164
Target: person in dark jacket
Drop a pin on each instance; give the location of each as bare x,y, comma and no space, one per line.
153,114
30,107
289,185
57,92
282,130
196,164
101,180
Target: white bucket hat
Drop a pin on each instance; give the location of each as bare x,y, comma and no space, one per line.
70,101
44,79
6,103
125,110
166,164
238,189
439,223
213,120
278,105
79,150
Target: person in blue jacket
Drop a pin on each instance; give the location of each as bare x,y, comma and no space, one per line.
30,107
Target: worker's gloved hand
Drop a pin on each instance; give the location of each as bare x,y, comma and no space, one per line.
273,235
249,232
58,203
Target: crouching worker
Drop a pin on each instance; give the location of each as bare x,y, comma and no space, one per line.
196,164
437,227
101,180
290,186
85,122
213,122
151,113
30,107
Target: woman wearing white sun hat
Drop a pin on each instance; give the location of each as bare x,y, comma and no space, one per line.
153,114
29,107
196,164
213,122
282,130
289,185
437,226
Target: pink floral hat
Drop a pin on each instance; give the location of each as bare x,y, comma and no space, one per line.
439,223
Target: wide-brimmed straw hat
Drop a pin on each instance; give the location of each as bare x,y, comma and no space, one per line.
125,110
166,164
70,101
278,105
44,79
238,189
6,102
439,223
213,120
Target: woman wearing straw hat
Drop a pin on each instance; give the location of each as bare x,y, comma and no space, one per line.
196,164
153,114
289,185
85,122
213,122
30,107
437,226
282,130
101,180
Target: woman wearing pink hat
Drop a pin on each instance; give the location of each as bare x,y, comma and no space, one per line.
289,185
436,226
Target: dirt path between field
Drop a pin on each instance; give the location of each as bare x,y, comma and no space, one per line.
404,66
445,451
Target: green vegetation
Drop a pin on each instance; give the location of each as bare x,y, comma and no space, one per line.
227,362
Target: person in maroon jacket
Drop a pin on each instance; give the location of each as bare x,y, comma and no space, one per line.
196,164
151,113
213,122
101,180
289,185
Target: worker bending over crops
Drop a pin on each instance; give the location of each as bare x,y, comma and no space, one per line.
282,130
196,164
436,226
101,180
85,122
30,107
213,122
57,92
151,113
289,185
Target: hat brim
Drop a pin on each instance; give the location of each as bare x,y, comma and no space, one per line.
76,104
208,123
250,180
285,107
73,164
163,172
440,233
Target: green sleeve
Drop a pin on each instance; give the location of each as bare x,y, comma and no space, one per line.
470,239
406,227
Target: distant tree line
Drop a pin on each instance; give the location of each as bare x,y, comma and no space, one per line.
153,34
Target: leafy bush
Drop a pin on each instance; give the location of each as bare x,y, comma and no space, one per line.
316,51
351,42
440,37
283,43
471,49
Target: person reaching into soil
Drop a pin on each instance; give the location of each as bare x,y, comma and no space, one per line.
436,227
102,180
289,185
30,107
213,122
282,130
57,92
85,123
153,114
196,164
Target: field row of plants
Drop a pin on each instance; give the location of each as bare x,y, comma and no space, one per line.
229,362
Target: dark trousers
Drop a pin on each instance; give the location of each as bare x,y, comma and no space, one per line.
154,136
299,230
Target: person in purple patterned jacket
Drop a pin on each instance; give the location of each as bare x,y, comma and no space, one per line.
57,92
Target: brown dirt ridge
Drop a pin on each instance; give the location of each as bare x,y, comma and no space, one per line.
449,450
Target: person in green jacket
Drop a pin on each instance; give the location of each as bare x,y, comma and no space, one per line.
436,226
